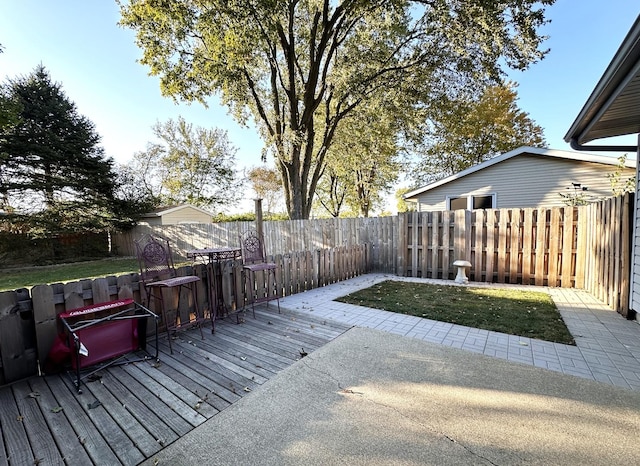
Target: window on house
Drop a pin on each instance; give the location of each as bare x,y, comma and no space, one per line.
456,203
483,202
473,202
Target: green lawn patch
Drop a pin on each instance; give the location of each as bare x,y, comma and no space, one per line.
530,314
26,277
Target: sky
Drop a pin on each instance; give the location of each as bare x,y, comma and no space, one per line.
81,45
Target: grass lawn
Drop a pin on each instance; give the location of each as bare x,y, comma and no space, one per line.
516,312
26,277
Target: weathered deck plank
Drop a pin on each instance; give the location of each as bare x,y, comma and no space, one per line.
58,424
118,440
166,403
42,443
275,343
188,379
132,411
85,433
13,431
140,403
245,344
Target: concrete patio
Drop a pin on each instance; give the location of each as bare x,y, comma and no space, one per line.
408,391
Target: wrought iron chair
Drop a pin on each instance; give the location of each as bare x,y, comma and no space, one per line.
157,273
257,272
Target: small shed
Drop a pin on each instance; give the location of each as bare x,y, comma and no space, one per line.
172,215
524,177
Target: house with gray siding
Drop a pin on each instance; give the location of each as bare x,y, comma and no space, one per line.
524,177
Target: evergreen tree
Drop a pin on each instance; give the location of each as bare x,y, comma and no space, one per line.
53,168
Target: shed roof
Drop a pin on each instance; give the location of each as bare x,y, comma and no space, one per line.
524,150
613,108
164,210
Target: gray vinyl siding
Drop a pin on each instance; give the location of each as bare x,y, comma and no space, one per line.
526,181
635,272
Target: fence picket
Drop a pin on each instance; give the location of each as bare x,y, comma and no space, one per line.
582,233
566,277
18,356
478,242
424,239
527,238
502,244
446,242
490,246
514,245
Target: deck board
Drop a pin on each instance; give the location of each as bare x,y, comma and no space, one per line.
14,434
166,402
42,443
132,411
85,434
58,424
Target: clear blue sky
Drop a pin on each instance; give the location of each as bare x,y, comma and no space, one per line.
84,49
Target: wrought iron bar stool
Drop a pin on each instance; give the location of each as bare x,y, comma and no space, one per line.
257,272
157,272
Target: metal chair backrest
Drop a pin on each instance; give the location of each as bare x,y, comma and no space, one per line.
252,247
154,257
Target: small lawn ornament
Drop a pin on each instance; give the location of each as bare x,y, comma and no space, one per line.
462,277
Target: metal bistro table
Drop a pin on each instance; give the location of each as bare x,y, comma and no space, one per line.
216,259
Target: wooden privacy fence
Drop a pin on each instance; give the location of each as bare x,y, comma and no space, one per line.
582,247
607,264
28,318
527,246
281,237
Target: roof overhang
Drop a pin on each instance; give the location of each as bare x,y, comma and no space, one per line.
613,108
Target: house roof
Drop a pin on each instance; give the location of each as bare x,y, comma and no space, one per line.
613,108
524,150
164,210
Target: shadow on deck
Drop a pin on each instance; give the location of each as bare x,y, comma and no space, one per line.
130,412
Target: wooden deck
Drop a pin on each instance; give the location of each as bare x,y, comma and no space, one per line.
132,411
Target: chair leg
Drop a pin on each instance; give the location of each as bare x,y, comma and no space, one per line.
158,297
254,293
247,278
275,289
196,308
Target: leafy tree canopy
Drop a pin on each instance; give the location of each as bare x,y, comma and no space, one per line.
472,129
364,160
187,164
299,68
267,184
401,204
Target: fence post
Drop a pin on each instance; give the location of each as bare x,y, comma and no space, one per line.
259,224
